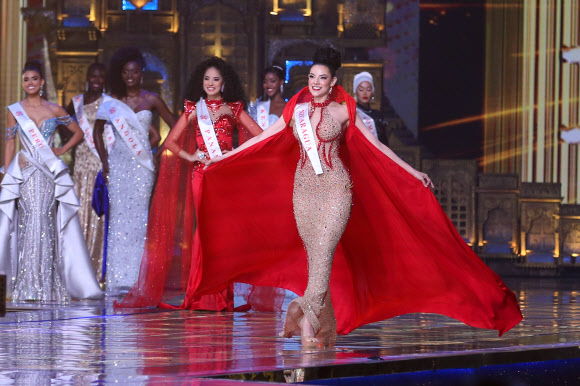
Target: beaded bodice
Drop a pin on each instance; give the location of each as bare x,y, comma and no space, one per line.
328,135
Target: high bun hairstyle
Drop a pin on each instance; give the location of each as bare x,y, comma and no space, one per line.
33,65
328,57
121,57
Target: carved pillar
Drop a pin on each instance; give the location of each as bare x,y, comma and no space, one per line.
540,210
497,214
12,55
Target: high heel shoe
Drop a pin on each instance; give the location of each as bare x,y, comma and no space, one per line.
293,315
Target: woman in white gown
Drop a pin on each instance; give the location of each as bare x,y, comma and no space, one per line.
267,109
129,165
42,248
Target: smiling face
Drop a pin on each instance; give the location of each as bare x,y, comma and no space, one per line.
212,83
132,74
271,84
32,82
320,81
96,80
364,92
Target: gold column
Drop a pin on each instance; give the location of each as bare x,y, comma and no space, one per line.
12,55
529,88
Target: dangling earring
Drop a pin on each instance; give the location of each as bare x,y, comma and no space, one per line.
330,91
41,92
87,85
282,88
223,85
373,98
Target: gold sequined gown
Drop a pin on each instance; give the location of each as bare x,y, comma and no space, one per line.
86,167
321,208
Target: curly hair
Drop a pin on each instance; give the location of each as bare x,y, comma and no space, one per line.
233,89
33,65
121,57
328,57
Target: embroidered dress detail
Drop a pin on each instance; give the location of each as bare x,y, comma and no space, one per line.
214,104
10,132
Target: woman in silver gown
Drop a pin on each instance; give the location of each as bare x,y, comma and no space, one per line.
316,184
130,174
41,244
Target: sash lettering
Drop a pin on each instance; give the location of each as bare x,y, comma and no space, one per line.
34,136
263,114
207,129
122,118
368,121
306,134
78,103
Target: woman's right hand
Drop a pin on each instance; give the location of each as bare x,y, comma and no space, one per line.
199,156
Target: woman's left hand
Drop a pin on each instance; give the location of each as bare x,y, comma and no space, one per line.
424,178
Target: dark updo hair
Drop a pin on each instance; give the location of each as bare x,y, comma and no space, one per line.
328,57
123,56
33,65
276,70
96,66
233,89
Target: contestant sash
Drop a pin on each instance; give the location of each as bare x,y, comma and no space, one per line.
207,130
306,134
34,136
123,117
78,103
368,121
264,114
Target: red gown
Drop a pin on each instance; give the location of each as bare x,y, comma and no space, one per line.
172,249
399,253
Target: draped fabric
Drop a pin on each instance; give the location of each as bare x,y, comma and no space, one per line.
399,253
166,260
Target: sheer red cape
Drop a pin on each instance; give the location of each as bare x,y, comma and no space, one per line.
399,253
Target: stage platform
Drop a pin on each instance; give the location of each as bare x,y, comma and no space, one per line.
91,342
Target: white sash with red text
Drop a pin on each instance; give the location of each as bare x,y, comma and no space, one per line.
123,117
34,136
368,121
78,103
306,134
207,130
264,114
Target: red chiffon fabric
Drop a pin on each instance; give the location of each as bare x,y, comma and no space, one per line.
399,254
172,246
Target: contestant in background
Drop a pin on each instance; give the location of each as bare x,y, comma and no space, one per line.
267,109
317,205
364,88
213,109
41,243
87,163
129,165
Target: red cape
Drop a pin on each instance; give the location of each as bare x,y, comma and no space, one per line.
399,254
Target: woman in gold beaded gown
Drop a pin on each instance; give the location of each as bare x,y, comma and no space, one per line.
322,197
87,163
352,228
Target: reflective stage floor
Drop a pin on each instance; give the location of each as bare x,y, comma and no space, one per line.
92,342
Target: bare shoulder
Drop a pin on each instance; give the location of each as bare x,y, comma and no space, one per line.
150,96
338,111
57,111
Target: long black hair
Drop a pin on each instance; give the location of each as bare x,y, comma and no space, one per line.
121,57
233,89
328,57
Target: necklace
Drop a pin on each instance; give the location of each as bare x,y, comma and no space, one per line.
321,104
214,104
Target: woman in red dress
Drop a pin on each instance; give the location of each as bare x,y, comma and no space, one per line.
214,105
341,220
